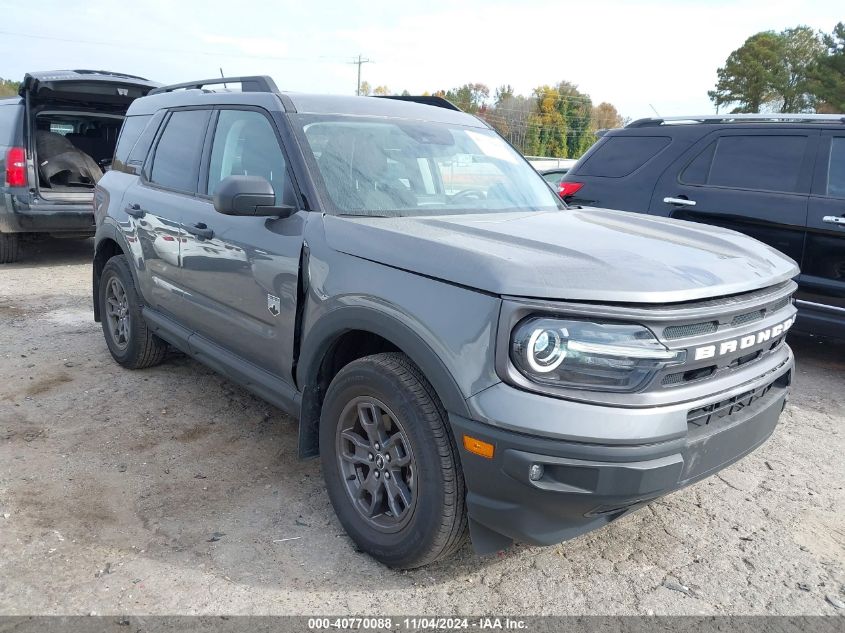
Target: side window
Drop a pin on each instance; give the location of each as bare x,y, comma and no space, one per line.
177,155
619,156
129,134
764,163
245,144
698,170
836,168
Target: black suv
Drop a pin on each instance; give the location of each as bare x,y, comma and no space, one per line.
56,139
460,348
778,178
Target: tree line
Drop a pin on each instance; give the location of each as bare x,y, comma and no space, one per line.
794,70
9,88
556,120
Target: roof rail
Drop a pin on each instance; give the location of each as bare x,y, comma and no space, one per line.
438,102
761,117
253,83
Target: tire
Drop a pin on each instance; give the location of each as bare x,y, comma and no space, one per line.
9,248
134,346
402,528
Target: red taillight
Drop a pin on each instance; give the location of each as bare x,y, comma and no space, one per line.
16,167
567,189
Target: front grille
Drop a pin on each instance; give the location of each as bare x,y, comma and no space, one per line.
748,317
722,412
693,329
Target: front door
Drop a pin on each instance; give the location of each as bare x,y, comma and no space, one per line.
751,180
823,269
240,274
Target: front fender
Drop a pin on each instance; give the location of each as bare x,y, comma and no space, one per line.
339,321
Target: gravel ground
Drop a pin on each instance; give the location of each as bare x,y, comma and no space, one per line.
174,491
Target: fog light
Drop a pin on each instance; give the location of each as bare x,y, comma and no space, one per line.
535,473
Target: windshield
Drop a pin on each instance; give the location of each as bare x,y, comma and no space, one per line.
400,168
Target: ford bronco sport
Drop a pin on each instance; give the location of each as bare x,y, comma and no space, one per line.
56,139
461,349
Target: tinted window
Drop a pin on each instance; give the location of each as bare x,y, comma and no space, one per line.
554,177
768,163
698,170
618,156
245,144
129,133
836,168
178,151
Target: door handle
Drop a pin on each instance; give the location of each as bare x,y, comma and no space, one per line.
833,219
200,230
135,210
681,202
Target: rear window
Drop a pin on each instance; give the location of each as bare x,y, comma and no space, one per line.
619,156
763,163
177,156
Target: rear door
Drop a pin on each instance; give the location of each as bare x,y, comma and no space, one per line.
823,270
752,180
157,201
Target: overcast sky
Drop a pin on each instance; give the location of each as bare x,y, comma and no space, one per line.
631,54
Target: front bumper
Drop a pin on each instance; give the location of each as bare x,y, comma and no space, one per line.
587,484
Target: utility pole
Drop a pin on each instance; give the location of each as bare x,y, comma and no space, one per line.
360,61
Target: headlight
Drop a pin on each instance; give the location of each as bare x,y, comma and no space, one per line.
584,355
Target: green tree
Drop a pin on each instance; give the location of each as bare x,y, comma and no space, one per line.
827,76
9,88
770,72
469,97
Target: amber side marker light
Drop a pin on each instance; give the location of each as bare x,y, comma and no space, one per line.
484,449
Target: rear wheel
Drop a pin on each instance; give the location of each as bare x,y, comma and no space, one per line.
9,248
129,340
390,464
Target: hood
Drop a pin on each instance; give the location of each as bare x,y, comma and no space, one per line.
577,254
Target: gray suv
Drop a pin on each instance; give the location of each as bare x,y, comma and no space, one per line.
462,350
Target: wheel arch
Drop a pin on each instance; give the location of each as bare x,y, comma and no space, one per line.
346,334
108,243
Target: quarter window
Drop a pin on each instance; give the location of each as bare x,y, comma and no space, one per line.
245,144
836,168
178,152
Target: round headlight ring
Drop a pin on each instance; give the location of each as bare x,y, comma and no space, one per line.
551,353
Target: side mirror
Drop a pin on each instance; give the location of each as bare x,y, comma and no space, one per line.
248,195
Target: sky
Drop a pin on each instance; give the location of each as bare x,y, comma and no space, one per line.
643,56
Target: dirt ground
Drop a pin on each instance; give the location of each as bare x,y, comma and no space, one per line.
173,491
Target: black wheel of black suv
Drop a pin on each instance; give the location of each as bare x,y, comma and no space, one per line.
129,340
390,462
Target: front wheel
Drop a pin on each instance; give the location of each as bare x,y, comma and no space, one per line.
390,464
